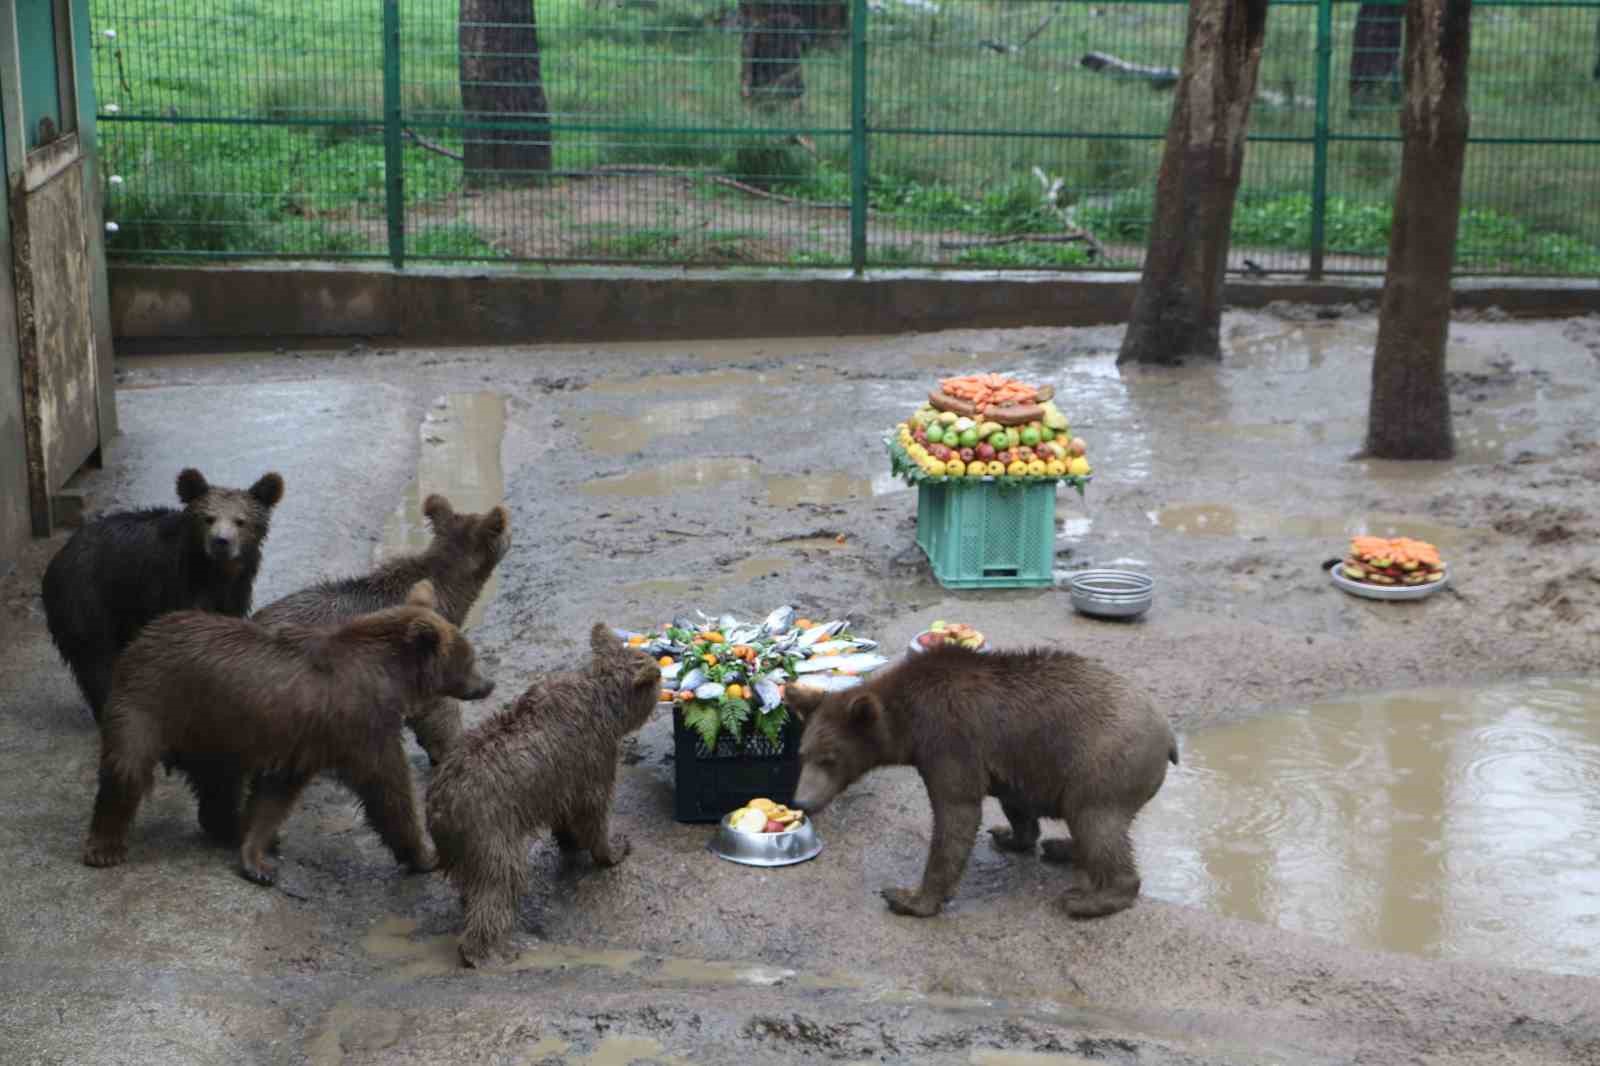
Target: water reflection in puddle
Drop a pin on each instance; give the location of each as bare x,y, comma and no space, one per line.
1451,823
677,476
741,573
1221,520
782,490
460,458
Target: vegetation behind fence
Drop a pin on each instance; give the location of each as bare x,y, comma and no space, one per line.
863,133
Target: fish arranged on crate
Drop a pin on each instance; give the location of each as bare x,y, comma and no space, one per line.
727,677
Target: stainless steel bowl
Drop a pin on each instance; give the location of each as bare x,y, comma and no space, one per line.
766,849
1112,593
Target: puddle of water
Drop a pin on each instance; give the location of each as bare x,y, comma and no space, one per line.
672,477
1220,520
1297,346
732,378
786,491
622,1050
741,573
1026,1058
459,457
699,971
631,431
392,940
1452,823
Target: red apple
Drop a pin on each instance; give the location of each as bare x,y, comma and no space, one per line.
985,451
966,454
773,827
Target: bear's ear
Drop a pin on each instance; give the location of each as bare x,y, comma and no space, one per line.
602,641
421,595
803,700
268,490
494,523
863,710
423,635
437,510
192,485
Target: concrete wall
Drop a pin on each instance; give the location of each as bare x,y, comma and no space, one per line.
153,304
14,524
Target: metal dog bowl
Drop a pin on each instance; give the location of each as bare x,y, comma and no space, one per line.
1112,593
766,849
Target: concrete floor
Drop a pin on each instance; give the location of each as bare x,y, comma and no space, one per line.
648,480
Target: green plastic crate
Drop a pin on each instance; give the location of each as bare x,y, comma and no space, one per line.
985,535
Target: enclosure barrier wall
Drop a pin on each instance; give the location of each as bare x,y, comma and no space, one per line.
987,134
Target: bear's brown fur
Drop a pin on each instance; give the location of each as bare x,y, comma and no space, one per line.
458,560
1047,733
120,571
226,697
547,761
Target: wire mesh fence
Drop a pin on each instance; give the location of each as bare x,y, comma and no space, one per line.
861,133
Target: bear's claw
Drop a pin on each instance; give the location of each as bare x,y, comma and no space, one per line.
910,902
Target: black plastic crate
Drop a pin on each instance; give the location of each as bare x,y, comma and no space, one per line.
710,784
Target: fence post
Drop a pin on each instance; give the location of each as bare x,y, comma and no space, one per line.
1319,144
394,194
858,136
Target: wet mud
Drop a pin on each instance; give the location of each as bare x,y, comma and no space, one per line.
1375,848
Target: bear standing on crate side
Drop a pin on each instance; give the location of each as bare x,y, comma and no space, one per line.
117,573
547,761
458,561
1049,734
225,697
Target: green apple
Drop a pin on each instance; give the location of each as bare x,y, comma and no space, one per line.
1030,436
1046,433
935,433
969,437
1000,440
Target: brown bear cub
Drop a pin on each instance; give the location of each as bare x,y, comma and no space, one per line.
547,761
118,572
1047,733
226,697
458,561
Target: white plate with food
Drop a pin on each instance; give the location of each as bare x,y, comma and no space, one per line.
1390,568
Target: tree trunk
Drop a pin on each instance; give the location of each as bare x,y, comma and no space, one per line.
1597,51
1177,313
1409,415
774,36
500,82
1375,52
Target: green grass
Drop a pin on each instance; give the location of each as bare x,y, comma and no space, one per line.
637,77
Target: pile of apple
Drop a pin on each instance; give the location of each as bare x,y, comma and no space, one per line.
945,444
959,633
765,816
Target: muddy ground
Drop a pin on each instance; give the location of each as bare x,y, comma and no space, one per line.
646,480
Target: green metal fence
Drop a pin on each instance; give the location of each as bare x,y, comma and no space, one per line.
859,133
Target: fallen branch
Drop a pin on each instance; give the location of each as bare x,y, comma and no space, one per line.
439,149
1075,237
1102,62
1162,78
1007,49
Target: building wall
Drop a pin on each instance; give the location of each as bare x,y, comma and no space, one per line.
14,525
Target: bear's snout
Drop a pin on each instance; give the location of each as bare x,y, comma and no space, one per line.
478,688
814,790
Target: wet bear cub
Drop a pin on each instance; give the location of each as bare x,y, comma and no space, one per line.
1047,733
547,761
459,559
117,573
225,698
